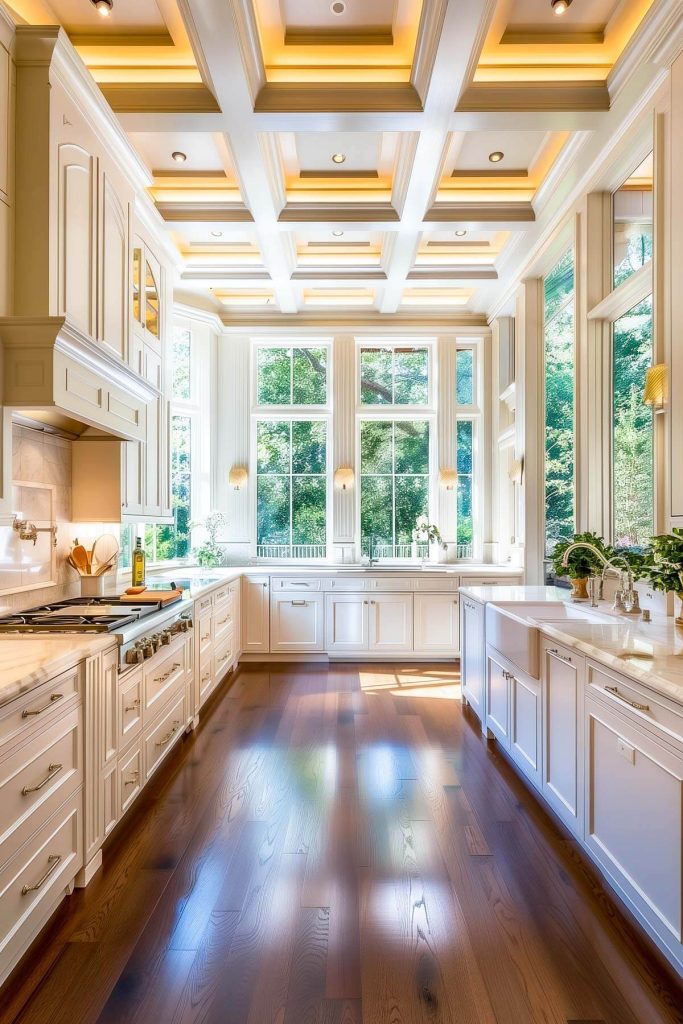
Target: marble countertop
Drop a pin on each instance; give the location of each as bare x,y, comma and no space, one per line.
649,652
27,661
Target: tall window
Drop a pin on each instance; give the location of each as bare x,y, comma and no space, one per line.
175,541
632,222
291,451
465,487
558,365
394,375
632,428
394,484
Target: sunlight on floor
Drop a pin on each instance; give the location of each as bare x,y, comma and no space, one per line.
441,684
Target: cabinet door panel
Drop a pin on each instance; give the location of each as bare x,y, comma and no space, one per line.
255,615
437,623
75,227
113,278
635,814
346,623
498,700
563,750
473,654
391,623
296,623
525,720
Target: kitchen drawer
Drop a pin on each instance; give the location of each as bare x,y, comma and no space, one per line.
129,775
396,585
205,635
203,603
223,622
234,588
161,736
652,710
36,875
130,707
224,656
347,584
206,681
222,595
39,774
299,583
437,585
162,675
28,713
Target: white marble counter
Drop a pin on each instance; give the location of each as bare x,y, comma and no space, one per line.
27,661
514,593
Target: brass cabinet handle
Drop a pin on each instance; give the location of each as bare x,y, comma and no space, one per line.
626,700
27,712
224,658
207,675
207,637
172,669
169,735
132,707
52,770
227,619
299,604
54,861
133,780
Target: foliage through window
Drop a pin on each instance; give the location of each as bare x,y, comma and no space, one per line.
558,364
632,427
393,375
394,484
632,222
291,488
464,376
465,487
174,541
291,376
182,345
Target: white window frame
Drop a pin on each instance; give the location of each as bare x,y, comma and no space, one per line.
475,413
428,343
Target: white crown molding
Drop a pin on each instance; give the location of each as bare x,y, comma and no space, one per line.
557,172
7,27
658,40
250,46
198,314
52,46
148,215
332,321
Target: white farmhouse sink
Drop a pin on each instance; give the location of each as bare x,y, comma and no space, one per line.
513,627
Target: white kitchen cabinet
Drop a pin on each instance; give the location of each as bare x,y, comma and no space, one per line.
255,615
472,654
562,677
498,696
390,625
346,623
296,622
634,817
436,624
525,724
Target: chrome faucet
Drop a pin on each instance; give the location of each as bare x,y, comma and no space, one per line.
626,598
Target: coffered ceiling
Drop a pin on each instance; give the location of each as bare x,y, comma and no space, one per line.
387,156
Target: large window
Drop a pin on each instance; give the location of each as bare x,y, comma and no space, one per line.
394,484
558,366
465,487
175,541
394,375
291,376
632,428
632,222
291,488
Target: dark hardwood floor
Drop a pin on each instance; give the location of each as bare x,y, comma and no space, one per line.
335,846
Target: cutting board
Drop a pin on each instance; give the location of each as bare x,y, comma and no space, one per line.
161,597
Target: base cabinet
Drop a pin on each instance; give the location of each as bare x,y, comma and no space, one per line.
498,696
634,817
563,676
390,623
472,654
525,725
346,623
381,624
296,623
255,614
436,624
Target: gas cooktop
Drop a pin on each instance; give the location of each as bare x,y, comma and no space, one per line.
78,615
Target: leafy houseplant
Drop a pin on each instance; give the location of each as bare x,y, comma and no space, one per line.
666,573
209,554
582,563
429,533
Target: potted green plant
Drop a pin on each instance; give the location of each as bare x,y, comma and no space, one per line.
428,533
666,572
582,562
210,554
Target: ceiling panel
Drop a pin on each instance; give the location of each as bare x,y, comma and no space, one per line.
355,14
471,151
156,149
580,15
78,16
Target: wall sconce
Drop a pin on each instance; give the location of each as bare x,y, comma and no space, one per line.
516,471
237,477
656,387
344,478
448,479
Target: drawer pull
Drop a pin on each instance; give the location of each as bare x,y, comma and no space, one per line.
169,735
207,675
206,637
632,703
52,770
54,861
300,604
133,779
562,657
227,619
224,658
27,712
132,707
172,669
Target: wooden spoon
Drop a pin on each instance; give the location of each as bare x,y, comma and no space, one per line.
80,557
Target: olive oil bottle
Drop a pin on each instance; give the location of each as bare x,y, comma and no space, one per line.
138,576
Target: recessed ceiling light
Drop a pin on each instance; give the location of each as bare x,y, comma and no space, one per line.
496,156
338,7
179,157
461,233
217,234
337,234
103,7
338,158
560,6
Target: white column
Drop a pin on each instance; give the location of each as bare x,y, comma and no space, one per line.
344,526
446,434
232,441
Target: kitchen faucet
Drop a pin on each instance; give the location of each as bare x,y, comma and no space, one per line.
626,598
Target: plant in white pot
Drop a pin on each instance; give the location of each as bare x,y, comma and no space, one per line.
429,533
667,572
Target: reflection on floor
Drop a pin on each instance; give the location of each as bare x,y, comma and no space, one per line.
333,846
